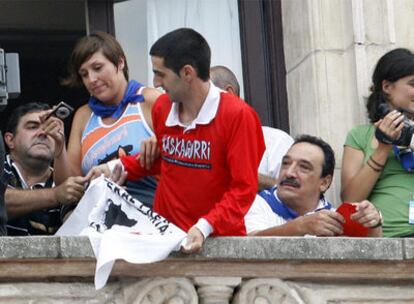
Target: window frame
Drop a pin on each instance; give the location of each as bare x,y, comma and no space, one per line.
264,71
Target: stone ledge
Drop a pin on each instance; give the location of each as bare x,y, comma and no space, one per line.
408,245
295,258
304,248
228,248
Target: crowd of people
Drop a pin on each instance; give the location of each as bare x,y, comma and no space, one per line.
198,155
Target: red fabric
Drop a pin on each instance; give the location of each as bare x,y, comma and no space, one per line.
351,228
217,183
134,169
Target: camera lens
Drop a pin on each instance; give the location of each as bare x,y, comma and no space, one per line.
62,113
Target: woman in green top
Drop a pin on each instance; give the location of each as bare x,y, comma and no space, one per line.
370,168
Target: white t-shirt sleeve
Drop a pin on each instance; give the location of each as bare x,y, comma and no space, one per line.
277,143
260,216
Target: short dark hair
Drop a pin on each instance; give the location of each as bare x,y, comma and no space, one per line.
392,66
222,76
184,46
328,166
86,47
21,111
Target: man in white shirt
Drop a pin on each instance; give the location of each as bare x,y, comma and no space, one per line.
297,206
277,141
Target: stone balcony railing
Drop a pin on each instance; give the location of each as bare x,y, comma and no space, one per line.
229,270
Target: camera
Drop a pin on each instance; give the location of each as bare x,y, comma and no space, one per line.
407,132
61,111
9,77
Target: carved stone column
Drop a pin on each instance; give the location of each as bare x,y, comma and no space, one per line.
160,291
267,291
216,290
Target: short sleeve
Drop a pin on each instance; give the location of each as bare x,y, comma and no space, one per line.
260,216
277,143
359,137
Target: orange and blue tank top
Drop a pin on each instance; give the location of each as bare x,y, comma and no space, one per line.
101,143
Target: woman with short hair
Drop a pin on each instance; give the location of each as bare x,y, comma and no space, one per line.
117,117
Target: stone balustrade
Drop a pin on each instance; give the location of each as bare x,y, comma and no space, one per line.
228,270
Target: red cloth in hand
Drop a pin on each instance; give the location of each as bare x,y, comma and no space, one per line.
351,228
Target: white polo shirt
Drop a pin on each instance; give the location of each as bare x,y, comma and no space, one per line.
261,216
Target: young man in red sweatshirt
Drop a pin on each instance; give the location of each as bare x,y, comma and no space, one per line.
210,144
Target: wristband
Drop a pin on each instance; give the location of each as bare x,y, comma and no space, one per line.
373,168
376,163
379,224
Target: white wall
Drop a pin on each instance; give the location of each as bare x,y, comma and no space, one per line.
139,23
131,31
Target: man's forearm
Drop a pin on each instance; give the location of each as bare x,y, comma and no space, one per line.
20,202
62,168
291,228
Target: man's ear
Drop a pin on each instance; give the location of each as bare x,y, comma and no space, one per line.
8,139
325,183
188,72
229,88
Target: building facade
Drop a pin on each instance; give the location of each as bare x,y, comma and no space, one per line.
307,64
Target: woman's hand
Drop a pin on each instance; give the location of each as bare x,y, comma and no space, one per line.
391,125
114,171
118,175
97,171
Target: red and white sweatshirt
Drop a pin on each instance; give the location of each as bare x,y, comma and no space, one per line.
207,170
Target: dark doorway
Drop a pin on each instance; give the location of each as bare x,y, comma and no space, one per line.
43,60
43,33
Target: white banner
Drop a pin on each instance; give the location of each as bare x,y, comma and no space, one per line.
120,227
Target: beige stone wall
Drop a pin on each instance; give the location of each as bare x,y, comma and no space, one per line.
331,47
223,291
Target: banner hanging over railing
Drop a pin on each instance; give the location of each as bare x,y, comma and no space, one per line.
120,227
